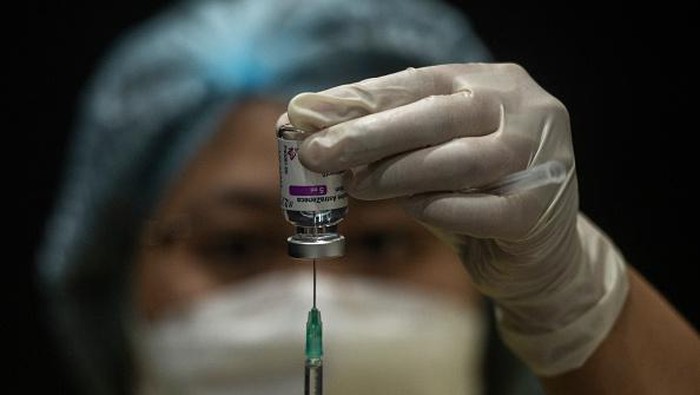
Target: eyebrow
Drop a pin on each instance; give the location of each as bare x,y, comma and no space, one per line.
251,198
235,198
218,202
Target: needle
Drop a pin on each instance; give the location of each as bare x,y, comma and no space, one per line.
313,366
314,283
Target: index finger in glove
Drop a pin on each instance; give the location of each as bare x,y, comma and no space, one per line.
320,110
427,122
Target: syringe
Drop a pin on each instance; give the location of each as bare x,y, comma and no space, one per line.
313,366
550,172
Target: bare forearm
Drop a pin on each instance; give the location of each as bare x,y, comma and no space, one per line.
650,350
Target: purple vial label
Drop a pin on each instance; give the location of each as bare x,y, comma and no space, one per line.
307,190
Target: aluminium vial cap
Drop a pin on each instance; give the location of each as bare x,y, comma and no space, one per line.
328,246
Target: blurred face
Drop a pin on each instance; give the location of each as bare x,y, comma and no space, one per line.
220,225
220,306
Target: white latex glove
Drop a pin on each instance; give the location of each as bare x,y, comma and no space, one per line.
427,135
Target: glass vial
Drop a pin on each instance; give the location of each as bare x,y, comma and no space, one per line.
314,203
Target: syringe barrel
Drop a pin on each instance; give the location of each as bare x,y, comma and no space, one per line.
313,376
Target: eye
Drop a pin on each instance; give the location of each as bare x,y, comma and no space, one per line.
383,245
235,247
240,247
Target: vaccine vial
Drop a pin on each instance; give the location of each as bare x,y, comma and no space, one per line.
314,203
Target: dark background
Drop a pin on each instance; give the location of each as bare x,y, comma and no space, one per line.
625,76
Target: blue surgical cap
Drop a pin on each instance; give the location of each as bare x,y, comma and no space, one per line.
157,96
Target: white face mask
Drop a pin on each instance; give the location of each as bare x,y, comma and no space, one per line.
379,338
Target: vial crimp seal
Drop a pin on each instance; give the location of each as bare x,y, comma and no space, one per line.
313,202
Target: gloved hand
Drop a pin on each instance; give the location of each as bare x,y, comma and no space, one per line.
428,136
